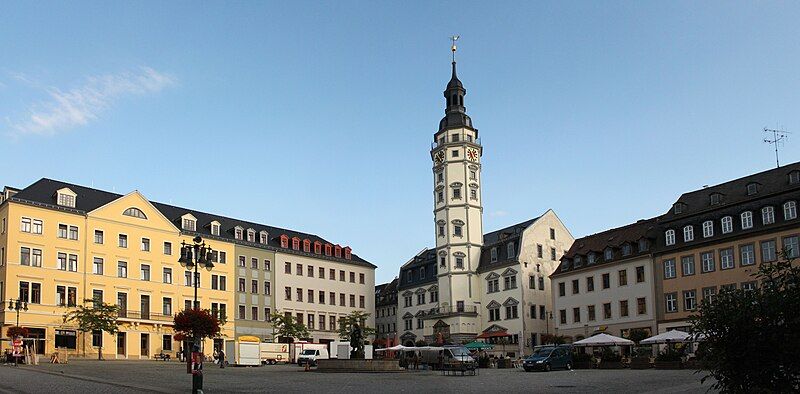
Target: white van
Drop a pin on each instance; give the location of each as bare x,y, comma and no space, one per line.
311,356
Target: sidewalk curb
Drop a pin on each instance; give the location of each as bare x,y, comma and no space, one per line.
96,380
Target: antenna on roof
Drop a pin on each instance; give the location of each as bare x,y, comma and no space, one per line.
777,138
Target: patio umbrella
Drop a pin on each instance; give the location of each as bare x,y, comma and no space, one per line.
475,345
397,347
603,340
672,336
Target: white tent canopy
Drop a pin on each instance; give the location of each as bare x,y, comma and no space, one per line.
410,348
397,347
672,336
603,340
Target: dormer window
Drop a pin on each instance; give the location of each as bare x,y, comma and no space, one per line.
135,212
317,247
678,208
688,233
669,236
328,248
215,228
643,245
306,246
577,261
189,222
591,258
716,198
337,251
263,237
66,197
752,188
296,243
626,249
608,254
510,250
794,177
493,254
347,253
238,233
251,235
284,241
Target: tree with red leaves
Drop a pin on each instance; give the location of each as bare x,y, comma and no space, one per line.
197,324
15,331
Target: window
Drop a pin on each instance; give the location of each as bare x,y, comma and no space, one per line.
553,254
97,266
122,242
166,306
626,249
242,285
298,269
494,314
242,312
552,233
748,286
62,261
677,208
223,257
454,153
310,297
590,313
794,177
361,278
562,289
669,269
287,268
254,286
457,230
511,312
670,237
134,212
493,253
715,198
187,278
768,215
752,188
709,293
361,301
641,306
510,250
332,274
145,272
341,276
214,228
254,264
687,264
97,338
640,274
727,224
62,231
688,233
623,277
439,196
541,283
707,262
189,224
145,245
434,296
747,220
25,225
589,283
167,275
726,259
473,175
457,193
268,288
25,256
353,275
607,310
442,261
251,237
242,261
576,315
708,229
441,230
299,295
98,236
352,300
790,210
606,281
671,302
575,286
623,308
768,251
790,246
539,251
37,228
493,285
689,300
122,269
509,282
459,262
608,254
747,254
590,259
439,176
66,200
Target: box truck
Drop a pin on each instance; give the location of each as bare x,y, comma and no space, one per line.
273,353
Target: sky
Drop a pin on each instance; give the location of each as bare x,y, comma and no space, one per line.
318,116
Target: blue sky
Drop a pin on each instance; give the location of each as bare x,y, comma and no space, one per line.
319,116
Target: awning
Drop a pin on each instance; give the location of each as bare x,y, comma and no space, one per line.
478,345
672,336
493,334
603,340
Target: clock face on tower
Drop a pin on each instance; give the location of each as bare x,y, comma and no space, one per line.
472,154
439,157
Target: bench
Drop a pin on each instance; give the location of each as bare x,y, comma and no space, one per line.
161,356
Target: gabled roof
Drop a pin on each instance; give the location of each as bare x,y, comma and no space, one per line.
734,192
503,233
41,193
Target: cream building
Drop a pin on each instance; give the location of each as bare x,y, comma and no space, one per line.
606,283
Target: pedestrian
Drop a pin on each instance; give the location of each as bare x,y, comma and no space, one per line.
216,355
221,356
180,354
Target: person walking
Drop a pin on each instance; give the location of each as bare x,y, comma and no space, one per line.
221,356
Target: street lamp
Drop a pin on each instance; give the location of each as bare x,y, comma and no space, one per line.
195,256
17,305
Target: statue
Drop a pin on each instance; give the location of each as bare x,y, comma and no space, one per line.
356,342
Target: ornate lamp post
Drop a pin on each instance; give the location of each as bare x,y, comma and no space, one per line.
195,256
17,305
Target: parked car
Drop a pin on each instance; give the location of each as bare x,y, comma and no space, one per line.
547,358
311,356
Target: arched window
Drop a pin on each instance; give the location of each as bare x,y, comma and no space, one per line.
688,233
135,212
768,215
790,210
670,237
727,224
708,229
747,220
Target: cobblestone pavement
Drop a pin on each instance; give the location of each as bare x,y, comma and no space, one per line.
170,377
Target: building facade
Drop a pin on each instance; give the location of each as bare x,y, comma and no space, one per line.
62,245
716,237
386,314
605,283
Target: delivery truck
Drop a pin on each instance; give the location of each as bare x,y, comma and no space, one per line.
273,353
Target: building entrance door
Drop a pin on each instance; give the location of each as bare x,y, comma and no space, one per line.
120,344
145,345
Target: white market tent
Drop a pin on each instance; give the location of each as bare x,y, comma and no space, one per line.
394,348
603,340
410,348
672,336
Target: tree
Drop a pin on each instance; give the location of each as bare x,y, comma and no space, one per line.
637,334
197,324
15,331
286,326
346,324
98,316
751,340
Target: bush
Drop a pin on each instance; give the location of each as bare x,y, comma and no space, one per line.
610,356
668,355
15,331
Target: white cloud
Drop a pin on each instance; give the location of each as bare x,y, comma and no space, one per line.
498,213
78,106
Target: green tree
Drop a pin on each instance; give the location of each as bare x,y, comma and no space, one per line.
286,326
346,323
637,335
751,342
98,316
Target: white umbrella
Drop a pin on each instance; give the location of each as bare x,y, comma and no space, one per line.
396,347
672,336
603,340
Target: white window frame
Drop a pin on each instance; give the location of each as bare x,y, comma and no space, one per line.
727,224
688,233
768,215
708,229
669,236
789,210
747,219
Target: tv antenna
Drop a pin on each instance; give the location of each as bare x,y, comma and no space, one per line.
778,136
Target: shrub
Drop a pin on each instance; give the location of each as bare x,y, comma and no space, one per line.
16,331
668,355
610,356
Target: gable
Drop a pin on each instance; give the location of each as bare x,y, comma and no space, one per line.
493,305
115,210
510,302
495,328
509,272
408,315
492,275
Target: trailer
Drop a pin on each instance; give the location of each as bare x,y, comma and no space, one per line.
243,351
273,353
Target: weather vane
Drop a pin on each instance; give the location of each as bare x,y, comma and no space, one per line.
453,48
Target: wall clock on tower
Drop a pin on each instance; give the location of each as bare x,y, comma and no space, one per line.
439,157
472,154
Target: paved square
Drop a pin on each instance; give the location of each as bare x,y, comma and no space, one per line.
170,377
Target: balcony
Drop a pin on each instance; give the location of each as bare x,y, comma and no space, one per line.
149,316
445,311
454,138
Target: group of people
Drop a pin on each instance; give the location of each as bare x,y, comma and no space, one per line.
218,356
